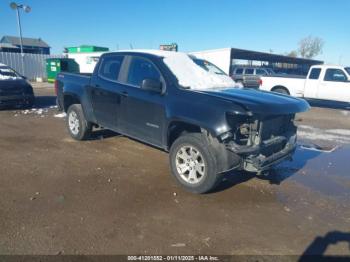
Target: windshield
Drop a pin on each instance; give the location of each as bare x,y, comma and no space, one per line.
195,73
209,67
347,70
6,72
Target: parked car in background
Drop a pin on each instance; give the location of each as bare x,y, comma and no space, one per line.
250,76
323,82
185,106
14,89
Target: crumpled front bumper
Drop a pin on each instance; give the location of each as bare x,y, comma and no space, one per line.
269,153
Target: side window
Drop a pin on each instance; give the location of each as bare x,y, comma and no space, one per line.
239,71
249,71
260,72
315,73
335,75
110,67
141,69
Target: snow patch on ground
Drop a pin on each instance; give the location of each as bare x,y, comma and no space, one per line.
38,112
35,111
61,115
41,112
345,113
336,135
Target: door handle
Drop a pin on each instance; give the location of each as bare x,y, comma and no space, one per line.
125,94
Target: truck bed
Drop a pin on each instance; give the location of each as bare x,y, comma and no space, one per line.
287,76
75,81
294,84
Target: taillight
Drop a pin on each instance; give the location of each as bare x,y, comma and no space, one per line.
260,82
56,87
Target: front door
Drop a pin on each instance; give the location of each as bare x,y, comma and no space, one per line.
334,86
145,110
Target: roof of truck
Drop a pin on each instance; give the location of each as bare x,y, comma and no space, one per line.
329,65
156,52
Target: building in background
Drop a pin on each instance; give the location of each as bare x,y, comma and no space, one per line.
229,58
86,56
30,45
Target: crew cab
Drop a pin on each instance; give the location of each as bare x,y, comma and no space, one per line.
14,89
185,106
323,82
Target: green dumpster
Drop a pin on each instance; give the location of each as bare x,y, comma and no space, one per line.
86,49
57,65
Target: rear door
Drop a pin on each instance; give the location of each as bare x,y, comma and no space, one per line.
249,77
106,92
145,110
335,86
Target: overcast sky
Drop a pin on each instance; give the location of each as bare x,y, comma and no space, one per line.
193,24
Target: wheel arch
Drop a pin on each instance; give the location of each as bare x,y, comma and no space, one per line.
225,159
70,99
280,87
177,127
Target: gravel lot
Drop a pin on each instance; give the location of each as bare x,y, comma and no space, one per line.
113,195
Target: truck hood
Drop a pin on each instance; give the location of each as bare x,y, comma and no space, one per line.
261,102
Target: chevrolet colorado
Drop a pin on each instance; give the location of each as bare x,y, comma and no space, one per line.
185,106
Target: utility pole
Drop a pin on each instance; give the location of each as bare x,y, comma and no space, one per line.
27,9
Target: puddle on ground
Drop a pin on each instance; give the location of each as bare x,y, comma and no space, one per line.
326,170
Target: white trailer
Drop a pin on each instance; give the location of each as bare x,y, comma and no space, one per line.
86,61
219,57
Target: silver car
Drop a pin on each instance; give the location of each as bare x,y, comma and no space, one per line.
250,76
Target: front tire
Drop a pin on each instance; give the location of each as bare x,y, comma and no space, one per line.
78,127
193,163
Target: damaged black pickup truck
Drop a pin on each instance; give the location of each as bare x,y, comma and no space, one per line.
185,106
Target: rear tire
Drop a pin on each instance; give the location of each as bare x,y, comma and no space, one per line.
193,163
281,90
78,127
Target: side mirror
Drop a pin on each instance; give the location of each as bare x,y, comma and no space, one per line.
152,85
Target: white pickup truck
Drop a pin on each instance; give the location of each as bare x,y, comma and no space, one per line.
325,82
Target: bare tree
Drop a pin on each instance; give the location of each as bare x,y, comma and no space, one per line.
310,47
292,53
